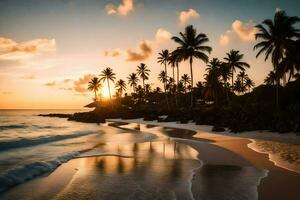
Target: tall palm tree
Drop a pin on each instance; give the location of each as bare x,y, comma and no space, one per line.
175,59
94,85
162,77
190,47
143,72
133,80
120,86
271,78
163,58
108,75
274,37
185,79
234,61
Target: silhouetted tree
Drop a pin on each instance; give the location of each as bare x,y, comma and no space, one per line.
108,74
190,47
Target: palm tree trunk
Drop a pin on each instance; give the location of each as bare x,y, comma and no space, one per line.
165,85
284,79
192,82
144,85
166,69
242,85
166,95
226,88
290,76
277,92
176,92
95,95
108,88
177,73
232,78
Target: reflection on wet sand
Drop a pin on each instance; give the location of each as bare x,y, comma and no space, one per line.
220,182
158,170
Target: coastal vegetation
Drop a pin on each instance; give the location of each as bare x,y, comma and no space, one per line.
226,98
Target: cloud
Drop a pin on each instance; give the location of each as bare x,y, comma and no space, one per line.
80,85
51,84
162,35
12,50
224,40
245,31
187,15
145,51
29,77
113,53
124,8
145,47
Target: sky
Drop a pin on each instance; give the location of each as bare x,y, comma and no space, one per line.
50,49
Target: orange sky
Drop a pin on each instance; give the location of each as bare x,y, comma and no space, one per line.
50,49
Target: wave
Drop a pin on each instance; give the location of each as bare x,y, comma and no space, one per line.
27,172
13,126
23,126
42,140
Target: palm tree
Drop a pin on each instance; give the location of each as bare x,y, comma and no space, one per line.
234,60
133,79
157,90
148,89
175,59
162,77
94,85
238,87
274,36
249,84
190,47
213,66
108,74
185,79
291,62
271,78
163,58
120,86
225,74
143,72
243,76
213,87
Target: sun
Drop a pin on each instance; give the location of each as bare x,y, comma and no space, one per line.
104,93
